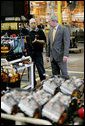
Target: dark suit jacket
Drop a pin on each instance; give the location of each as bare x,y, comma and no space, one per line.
60,46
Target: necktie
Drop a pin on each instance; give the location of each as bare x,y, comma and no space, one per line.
54,31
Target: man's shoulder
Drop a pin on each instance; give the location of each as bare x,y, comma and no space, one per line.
61,26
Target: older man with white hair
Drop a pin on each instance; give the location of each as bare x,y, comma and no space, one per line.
58,47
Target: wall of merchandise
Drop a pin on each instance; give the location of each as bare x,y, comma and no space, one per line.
75,16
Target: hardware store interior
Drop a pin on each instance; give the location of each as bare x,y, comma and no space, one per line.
27,98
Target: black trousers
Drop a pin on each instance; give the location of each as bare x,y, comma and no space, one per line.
37,58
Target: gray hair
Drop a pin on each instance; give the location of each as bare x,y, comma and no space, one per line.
54,17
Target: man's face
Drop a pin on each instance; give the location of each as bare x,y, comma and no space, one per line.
52,23
33,23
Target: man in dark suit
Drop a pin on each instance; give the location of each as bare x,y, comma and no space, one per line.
58,47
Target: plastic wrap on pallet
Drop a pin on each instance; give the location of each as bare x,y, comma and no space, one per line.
56,106
41,97
28,105
7,103
52,84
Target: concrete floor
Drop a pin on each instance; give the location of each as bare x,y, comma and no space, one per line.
75,63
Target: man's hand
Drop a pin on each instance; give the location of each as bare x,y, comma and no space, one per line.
65,58
47,59
40,41
34,40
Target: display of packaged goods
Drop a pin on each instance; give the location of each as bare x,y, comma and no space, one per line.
64,99
70,85
52,101
28,105
67,89
18,94
41,97
77,82
50,87
58,80
8,103
55,107
52,84
53,114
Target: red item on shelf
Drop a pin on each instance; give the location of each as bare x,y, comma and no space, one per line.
13,35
